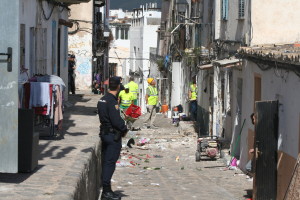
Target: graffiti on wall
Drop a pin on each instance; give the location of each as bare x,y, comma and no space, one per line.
81,46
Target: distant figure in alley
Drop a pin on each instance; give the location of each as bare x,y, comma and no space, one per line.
151,102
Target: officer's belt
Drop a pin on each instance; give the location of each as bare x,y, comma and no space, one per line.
106,130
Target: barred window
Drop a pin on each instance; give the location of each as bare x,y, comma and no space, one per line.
241,8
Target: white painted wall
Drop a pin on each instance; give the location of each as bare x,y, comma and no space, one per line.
273,88
275,21
31,15
176,97
120,53
143,36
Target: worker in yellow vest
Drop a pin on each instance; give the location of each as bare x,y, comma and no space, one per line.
193,100
134,89
125,98
151,101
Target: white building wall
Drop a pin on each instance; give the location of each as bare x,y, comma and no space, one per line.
31,15
143,36
120,53
275,21
273,88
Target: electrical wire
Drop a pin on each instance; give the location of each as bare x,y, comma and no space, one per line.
43,11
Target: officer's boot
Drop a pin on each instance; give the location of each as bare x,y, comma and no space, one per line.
108,194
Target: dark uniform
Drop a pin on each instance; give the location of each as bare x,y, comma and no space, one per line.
111,130
71,74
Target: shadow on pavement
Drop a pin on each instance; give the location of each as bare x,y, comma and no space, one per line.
17,178
121,193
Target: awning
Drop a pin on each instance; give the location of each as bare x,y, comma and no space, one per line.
205,67
227,62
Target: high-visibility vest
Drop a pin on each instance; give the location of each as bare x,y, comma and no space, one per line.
153,96
194,92
133,88
126,98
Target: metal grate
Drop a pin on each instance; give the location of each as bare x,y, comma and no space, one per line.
241,9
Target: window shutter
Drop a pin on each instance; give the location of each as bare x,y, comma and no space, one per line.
241,8
225,9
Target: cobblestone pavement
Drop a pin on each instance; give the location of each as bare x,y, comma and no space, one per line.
61,162
166,169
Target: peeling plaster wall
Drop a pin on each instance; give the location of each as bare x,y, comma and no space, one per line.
81,45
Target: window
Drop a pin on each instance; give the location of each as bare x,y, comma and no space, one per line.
225,9
241,9
122,33
126,33
117,33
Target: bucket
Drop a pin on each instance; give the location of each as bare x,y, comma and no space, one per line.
169,114
164,108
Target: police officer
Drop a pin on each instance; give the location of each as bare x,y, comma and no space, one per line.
112,128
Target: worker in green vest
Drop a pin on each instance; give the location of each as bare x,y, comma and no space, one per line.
125,98
134,89
151,102
193,100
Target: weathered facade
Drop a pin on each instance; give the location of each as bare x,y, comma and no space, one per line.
37,34
203,38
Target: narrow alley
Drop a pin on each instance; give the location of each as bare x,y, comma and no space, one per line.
165,168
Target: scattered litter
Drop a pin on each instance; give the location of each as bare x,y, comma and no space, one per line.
124,164
112,180
182,168
199,169
143,141
143,148
157,156
130,183
177,158
152,168
119,187
232,168
155,184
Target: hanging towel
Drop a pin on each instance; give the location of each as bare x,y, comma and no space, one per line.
58,109
40,95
